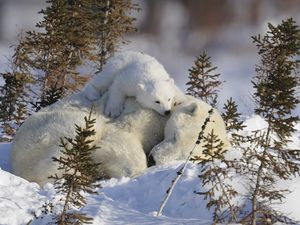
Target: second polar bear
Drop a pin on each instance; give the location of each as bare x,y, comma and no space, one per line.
133,74
182,130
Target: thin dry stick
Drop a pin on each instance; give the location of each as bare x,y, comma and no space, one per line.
182,169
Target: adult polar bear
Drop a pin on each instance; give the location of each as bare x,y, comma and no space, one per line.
133,74
123,142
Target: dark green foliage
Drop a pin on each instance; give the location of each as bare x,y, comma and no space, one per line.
86,30
276,81
51,95
79,172
203,82
12,104
231,116
262,166
265,159
233,124
275,87
215,175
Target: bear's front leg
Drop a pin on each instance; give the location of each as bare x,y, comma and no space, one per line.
115,102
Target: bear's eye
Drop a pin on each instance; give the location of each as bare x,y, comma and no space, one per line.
169,99
157,102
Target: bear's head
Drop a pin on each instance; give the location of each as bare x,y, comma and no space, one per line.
158,96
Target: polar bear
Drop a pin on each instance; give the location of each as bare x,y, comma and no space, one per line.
123,142
133,74
128,140
182,129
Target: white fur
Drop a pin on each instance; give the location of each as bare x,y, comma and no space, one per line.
123,141
133,74
182,130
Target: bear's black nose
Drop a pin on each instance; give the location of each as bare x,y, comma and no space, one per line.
167,112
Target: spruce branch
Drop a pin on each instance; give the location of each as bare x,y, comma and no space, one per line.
115,22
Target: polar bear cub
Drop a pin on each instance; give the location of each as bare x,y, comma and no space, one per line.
133,74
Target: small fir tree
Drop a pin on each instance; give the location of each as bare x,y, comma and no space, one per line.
216,176
79,172
267,159
51,95
45,62
14,95
231,116
203,82
233,124
62,43
114,21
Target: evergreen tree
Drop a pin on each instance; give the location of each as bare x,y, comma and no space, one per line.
79,172
215,175
233,124
14,95
114,21
267,159
63,42
45,62
51,95
231,116
203,82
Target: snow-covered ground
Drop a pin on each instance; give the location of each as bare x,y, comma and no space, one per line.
131,200
123,201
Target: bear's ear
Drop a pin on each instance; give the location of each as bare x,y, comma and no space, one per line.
192,109
141,87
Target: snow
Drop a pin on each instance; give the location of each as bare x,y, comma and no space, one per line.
132,200
18,198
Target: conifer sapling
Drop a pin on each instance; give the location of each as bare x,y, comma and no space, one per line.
267,160
215,175
14,94
203,82
112,24
79,172
233,124
231,116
